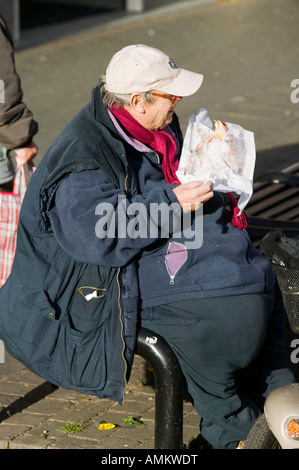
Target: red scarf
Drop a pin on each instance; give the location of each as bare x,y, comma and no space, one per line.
160,141
165,146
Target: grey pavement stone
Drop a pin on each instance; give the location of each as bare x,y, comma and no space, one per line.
23,419
19,389
93,404
74,443
7,399
135,405
10,432
45,407
23,443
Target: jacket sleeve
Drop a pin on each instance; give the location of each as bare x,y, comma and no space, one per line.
17,126
94,222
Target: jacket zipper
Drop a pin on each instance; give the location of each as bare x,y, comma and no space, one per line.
120,312
126,182
122,331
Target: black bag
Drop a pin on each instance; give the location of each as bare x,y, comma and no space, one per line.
283,251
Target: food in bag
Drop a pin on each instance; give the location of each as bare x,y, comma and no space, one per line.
220,129
224,155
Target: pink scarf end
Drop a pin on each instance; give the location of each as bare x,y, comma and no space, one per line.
238,221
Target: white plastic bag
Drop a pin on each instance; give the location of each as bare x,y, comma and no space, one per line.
227,161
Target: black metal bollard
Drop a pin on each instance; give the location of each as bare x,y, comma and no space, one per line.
168,388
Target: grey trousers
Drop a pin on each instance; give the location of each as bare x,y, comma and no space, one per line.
7,172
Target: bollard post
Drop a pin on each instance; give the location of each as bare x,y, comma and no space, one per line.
2,352
135,6
168,388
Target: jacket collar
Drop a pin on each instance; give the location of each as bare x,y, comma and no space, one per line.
100,111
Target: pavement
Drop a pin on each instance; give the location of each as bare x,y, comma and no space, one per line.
248,53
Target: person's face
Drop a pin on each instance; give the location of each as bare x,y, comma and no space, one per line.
159,113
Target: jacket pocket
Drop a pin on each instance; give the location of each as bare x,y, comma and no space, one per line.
40,331
82,339
176,256
88,309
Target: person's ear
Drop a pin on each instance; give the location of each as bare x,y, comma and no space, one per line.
136,102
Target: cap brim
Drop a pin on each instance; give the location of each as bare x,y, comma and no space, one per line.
187,83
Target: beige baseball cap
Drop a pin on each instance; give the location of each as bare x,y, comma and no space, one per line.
142,68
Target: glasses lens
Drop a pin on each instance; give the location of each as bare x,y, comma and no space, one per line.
172,98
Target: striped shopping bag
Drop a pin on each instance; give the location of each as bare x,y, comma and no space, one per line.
10,205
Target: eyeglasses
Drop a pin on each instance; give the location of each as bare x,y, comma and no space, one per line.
172,98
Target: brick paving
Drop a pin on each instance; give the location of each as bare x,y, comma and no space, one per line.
33,413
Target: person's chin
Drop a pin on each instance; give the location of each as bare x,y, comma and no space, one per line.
169,119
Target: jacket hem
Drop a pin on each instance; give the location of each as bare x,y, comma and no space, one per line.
259,288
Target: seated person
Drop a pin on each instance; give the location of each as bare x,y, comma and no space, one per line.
94,261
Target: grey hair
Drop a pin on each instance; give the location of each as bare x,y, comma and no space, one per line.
121,100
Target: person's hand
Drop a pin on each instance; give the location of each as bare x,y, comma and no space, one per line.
25,154
191,195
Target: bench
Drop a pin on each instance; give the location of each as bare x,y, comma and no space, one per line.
274,203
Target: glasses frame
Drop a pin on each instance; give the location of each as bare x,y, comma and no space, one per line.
172,98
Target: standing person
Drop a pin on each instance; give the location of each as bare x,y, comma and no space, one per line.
17,126
88,270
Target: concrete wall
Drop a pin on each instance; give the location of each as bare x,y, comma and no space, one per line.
10,10
112,4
